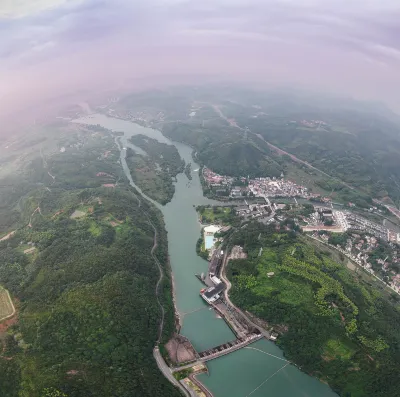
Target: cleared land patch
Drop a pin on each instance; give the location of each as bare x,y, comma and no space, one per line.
6,306
77,214
336,349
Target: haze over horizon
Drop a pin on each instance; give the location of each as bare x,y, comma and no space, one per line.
54,48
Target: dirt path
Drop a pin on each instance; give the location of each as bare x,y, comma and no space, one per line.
54,178
157,262
231,122
9,235
33,213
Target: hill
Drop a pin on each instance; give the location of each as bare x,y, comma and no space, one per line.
333,323
241,158
80,268
356,143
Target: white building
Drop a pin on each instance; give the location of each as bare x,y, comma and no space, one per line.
209,232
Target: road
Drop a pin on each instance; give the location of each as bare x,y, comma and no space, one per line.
226,295
9,235
297,160
277,149
167,372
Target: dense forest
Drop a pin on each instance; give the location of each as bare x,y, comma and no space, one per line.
333,324
156,171
81,274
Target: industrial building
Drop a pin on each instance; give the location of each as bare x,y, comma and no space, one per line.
212,294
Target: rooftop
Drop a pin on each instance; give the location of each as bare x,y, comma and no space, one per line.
212,229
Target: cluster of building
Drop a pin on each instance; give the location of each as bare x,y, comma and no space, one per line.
141,117
215,180
326,219
312,123
273,187
360,247
341,221
357,222
257,187
322,219
256,210
215,285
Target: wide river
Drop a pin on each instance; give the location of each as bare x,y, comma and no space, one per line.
259,370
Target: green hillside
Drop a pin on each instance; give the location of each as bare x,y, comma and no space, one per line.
333,323
88,318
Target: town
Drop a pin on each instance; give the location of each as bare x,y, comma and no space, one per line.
257,187
372,246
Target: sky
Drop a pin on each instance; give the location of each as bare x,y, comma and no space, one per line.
52,48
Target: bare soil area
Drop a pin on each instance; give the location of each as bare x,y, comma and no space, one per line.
180,350
77,214
7,309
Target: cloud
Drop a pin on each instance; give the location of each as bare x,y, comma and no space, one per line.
22,8
361,26
331,44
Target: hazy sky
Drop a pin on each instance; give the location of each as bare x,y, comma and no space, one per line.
52,47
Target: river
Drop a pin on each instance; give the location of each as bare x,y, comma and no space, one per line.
259,370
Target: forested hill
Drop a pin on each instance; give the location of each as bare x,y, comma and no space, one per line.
155,170
83,280
226,150
334,323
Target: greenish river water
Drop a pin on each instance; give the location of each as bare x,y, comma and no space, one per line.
259,370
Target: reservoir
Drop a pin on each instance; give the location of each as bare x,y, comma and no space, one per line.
258,370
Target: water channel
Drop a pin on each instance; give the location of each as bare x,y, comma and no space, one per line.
259,370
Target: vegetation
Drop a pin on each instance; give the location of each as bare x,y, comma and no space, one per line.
217,215
88,317
154,173
200,247
344,147
183,374
224,149
332,323
338,239
188,171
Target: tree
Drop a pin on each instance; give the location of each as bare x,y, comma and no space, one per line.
52,392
